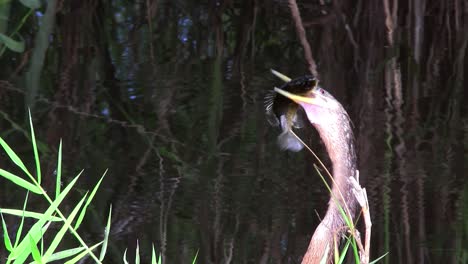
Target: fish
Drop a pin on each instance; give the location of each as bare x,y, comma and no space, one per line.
285,113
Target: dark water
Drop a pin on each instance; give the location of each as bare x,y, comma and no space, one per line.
174,110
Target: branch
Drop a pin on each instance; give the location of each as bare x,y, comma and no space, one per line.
361,196
302,37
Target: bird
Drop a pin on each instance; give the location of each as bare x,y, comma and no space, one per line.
285,113
333,124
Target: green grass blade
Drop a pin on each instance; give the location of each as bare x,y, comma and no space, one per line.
137,254
82,254
194,259
325,255
42,246
61,233
354,246
125,257
13,157
379,258
21,253
348,221
344,251
35,251
6,237
36,228
106,235
29,214
336,254
58,181
36,153
20,181
65,253
83,211
20,228
14,45
153,255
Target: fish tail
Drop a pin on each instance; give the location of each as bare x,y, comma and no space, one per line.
287,141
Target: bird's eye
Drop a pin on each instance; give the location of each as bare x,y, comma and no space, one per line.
313,84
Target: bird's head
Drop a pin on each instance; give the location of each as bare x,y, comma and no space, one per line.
320,106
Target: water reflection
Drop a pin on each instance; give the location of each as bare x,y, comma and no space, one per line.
174,109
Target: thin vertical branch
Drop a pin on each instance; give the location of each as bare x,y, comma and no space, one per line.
388,22
150,10
361,196
312,66
394,90
419,12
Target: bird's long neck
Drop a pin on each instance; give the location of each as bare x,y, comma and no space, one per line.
337,135
339,142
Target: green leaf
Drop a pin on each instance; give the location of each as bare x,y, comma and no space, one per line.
106,235
36,228
16,46
137,254
83,211
20,182
20,228
29,214
66,253
36,154
58,180
82,254
379,258
13,157
34,4
34,249
354,247
61,233
153,255
125,257
194,259
6,237
344,251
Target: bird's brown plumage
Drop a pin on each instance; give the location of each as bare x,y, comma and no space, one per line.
332,122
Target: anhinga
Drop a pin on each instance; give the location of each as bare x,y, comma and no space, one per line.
331,120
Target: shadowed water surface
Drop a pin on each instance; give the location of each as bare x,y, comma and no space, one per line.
169,98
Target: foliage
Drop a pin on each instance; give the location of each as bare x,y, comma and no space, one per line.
8,41
138,87
26,244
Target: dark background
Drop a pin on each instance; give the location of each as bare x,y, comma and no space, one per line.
168,95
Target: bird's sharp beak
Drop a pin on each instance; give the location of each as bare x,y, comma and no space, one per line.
281,76
313,100
297,98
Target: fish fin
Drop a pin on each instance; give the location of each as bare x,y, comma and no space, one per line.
268,100
298,119
287,141
271,117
